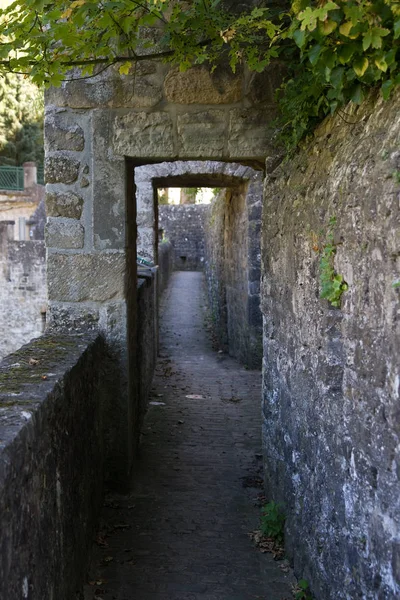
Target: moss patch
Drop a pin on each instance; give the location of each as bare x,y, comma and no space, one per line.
31,363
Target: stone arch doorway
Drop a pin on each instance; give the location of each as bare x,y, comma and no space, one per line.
233,264
96,132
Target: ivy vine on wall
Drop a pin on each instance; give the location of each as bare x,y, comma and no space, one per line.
332,284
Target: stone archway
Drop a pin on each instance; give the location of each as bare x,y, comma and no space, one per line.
96,132
239,321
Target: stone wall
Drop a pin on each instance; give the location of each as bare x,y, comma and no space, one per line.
232,267
183,226
147,337
165,265
215,269
56,398
331,375
23,294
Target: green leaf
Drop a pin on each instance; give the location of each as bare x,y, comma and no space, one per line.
374,36
396,29
125,68
360,65
299,37
367,40
345,28
337,77
346,51
390,56
357,95
386,89
327,27
314,54
381,63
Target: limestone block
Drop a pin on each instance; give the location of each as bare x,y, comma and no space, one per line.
145,219
145,197
64,204
85,277
202,134
60,137
199,86
144,135
251,133
64,233
139,92
112,92
146,242
61,167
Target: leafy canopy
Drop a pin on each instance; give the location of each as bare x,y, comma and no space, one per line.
334,50
21,121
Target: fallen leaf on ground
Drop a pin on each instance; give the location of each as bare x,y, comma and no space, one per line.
101,541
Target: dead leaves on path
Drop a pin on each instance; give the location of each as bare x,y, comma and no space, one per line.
266,544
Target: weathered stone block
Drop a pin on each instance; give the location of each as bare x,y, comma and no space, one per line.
202,134
143,134
146,242
112,91
145,219
84,277
61,167
199,86
64,233
62,137
250,133
64,204
145,197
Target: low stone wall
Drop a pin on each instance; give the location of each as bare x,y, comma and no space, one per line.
165,265
184,228
23,294
331,375
147,338
56,395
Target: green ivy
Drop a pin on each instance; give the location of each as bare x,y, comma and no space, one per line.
345,48
334,51
332,284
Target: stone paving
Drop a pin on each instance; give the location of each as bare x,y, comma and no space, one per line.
182,532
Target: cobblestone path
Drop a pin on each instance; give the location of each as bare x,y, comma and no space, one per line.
182,533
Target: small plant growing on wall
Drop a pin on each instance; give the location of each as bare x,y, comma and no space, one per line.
302,590
332,285
273,521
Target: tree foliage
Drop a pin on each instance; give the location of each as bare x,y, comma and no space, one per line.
334,50
21,121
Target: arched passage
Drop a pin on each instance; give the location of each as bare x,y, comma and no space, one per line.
233,265
97,132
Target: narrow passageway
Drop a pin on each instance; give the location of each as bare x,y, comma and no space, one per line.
182,533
